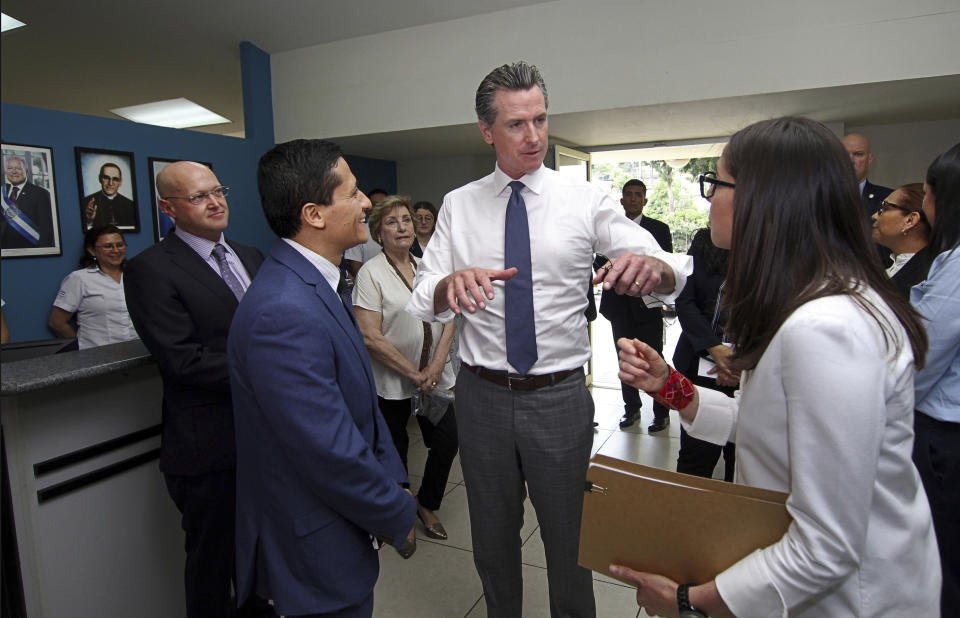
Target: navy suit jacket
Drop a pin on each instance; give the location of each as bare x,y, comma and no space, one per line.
622,308
34,202
182,309
872,196
317,471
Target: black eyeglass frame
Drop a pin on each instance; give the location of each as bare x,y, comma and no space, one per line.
885,205
711,179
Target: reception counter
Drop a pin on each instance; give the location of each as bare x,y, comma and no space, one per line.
96,533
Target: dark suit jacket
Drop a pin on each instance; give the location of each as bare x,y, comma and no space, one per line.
182,309
34,202
317,471
872,196
696,306
621,308
120,211
913,272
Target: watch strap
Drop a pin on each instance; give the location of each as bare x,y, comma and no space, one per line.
687,610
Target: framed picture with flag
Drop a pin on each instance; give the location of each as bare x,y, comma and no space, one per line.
31,220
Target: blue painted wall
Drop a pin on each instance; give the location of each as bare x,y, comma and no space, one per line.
30,284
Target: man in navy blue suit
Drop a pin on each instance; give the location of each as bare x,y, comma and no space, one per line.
318,477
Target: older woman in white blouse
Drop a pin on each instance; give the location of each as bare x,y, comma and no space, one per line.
407,355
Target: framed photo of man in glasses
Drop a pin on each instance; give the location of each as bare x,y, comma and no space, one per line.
108,189
30,225
162,223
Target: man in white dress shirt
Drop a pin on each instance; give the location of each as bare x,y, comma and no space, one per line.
511,252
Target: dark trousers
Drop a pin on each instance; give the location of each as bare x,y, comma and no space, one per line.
936,452
363,609
651,333
441,440
207,503
699,457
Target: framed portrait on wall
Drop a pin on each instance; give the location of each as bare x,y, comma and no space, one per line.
162,223
108,189
31,221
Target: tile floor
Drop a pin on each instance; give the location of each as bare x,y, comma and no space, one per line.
440,579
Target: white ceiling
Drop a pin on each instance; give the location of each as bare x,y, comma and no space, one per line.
91,57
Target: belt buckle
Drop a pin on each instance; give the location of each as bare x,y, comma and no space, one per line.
509,383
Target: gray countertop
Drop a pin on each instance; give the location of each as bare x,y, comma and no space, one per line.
37,373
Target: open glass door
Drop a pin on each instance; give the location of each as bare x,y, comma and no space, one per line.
577,164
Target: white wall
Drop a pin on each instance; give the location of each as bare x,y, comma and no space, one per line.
902,152
607,54
430,179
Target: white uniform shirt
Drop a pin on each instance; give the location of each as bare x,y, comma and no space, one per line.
379,288
100,305
827,416
569,221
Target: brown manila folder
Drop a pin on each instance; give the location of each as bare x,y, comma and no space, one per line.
685,527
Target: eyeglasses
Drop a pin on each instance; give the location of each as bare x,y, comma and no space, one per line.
111,246
423,218
885,206
709,182
199,198
106,178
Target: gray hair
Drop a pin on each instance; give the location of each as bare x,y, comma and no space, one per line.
516,76
14,157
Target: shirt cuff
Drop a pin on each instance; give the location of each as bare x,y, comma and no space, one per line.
682,266
420,305
748,591
715,419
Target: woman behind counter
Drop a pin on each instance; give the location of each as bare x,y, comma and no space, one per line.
825,413
900,225
406,354
95,293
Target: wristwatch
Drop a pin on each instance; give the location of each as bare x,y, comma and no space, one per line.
683,600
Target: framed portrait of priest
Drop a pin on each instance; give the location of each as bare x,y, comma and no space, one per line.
162,223
31,221
108,189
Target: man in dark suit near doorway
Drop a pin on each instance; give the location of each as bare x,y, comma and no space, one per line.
182,294
108,206
27,216
318,476
629,316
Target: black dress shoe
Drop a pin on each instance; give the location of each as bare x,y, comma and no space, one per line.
629,418
658,424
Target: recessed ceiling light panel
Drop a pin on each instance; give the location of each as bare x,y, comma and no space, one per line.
9,23
174,113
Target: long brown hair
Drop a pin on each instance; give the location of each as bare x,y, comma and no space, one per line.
799,233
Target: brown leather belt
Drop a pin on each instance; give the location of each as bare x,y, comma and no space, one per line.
520,383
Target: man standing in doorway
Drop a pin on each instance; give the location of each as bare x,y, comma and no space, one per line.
629,316
858,147
511,252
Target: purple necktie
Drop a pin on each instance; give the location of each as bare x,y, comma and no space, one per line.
229,277
14,192
521,328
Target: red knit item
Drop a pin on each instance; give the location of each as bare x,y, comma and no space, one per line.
677,393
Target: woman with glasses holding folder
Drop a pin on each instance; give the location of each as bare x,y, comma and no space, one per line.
828,350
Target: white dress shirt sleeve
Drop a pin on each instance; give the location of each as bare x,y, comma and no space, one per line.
616,235
436,264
